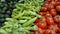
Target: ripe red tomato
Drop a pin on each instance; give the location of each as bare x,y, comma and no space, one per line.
53,3
32,32
43,9
50,20
46,4
58,8
41,31
57,19
41,13
53,27
59,25
56,0
50,32
59,30
58,3
50,7
48,14
41,24
49,0
53,12
37,20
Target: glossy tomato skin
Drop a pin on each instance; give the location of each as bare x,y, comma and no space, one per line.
58,8
57,19
50,7
43,9
41,13
59,25
50,32
49,1
50,20
53,27
39,31
56,0
48,14
41,24
53,12
37,20
46,4
58,3
53,3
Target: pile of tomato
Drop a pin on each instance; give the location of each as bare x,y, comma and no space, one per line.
50,21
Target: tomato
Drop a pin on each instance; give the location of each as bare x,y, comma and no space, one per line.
41,24
57,19
59,25
41,13
48,14
58,8
50,7
43,19
59,30
48,0
46,4
43,9
56,0
53,27
50,32
32,32
58,3
37,20
53,3
50,20
41,31
53,12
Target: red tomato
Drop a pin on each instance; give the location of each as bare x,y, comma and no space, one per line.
37,20
53,3
50,32
41,13
43,9
32,32
43,19
39,31
53,12
50,20
58,3
57,19
56,0
59,25
48,14
41,24
50,7
58,8
46,4
53,27
59,30
49,0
